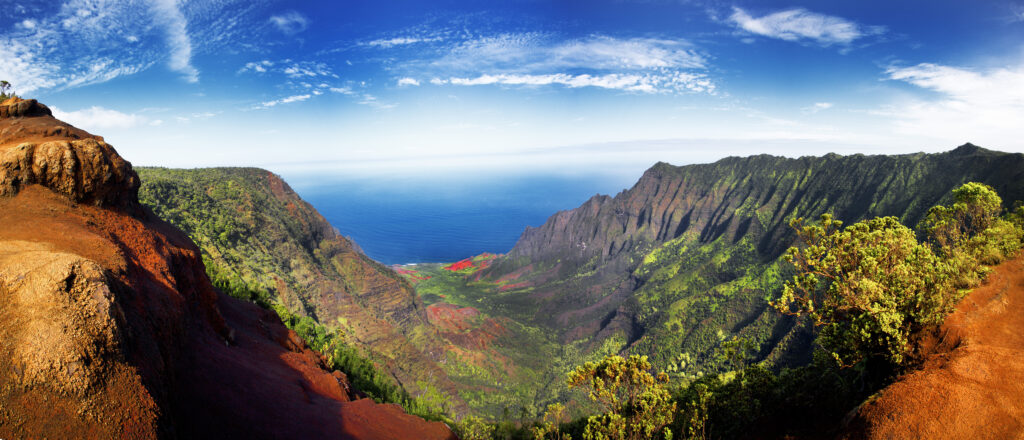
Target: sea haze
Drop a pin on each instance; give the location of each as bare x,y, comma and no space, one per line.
445,219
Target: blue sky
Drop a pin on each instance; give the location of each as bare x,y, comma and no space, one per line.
398,88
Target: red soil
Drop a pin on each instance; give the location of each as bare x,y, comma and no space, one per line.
972,387
463,327
413,275
459,265
513,286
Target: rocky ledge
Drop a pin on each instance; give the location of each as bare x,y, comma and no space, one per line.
36,148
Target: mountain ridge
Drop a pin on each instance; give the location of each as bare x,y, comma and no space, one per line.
723,218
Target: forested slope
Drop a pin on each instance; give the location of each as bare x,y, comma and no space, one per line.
253,230
687,257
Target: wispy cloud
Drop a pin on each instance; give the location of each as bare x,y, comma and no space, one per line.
99,118
290,22
627,82
642,65
285,100
1016,13
800,24
817,107
256,66
178,41
372,101
972,105
82,42
539,51
399,41
307,69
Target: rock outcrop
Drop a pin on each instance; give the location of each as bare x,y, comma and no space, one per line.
109,327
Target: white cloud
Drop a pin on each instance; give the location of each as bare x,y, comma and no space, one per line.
408,82
290,22
1017,13
817,107
372,101
800,24
285,100
98,118
627,82
308,69
985,107
399,41
23,69
180,59
256,66
644,65
536,51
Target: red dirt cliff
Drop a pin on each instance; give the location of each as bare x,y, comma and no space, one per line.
109,327
972,386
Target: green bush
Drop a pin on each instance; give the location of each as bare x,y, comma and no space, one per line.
5,90
869,287
970,234
636,404
872,288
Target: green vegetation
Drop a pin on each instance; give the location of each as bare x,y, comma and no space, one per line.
872,287
5,90
636,404
694,294
260,242
869,291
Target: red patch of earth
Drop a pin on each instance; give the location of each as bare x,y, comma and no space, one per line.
459,265
972,385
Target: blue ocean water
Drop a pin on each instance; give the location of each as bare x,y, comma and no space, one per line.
443,220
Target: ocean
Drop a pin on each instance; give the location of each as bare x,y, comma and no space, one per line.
405,221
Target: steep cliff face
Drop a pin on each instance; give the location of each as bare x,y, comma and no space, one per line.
686,257
251,225
109,327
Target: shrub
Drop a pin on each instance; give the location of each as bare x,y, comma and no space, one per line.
4,87
474,428
637,404
549,428
869,287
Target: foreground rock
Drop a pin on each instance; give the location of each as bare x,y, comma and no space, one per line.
109,327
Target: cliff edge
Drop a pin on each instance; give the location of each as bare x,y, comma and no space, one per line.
109,327
972,385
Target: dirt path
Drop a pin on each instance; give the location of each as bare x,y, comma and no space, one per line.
974,386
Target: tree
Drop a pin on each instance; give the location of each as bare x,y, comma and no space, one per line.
637,404
970,233
474,428
870,287
975,208
4,87
549,427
